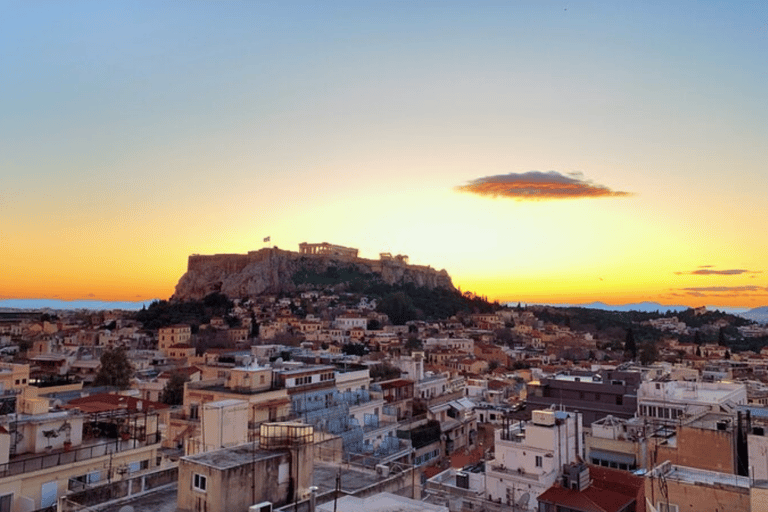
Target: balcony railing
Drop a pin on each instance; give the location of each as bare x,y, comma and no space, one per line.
50,460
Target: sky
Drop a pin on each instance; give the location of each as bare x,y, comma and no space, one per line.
542,151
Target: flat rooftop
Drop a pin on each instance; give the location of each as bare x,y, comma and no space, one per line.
352,479
162,499
228,458
700,476
382,502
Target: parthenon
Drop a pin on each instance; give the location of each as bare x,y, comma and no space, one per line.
327,249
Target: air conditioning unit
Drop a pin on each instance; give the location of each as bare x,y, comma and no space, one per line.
264,506
382,470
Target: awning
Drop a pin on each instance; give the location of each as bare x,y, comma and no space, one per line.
619,458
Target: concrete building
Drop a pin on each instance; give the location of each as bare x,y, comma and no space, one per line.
530,457
672,488
594,395
44,455
277,470
458,424
173,335
666,402
611,444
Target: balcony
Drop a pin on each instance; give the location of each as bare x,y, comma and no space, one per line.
37,462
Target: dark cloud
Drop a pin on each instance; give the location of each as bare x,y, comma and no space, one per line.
719,289
708,271
538,186
725,291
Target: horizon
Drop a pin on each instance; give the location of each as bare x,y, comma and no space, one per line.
95,304
541,152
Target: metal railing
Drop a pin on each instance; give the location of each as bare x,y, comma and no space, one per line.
50,460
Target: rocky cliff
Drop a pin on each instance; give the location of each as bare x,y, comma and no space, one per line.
271,271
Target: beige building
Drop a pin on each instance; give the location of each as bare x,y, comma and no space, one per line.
277,470
173,335
250,384
44,455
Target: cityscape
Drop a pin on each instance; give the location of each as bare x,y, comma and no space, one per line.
383,257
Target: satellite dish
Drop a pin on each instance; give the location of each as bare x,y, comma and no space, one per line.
126,508
522,502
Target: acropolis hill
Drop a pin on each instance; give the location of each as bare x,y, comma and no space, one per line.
269,271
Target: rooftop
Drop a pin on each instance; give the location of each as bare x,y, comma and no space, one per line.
382,502
228,458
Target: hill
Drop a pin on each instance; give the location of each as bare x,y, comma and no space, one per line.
275,271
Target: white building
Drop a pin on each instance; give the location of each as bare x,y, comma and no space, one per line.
351,322
665,402
530,457
465,345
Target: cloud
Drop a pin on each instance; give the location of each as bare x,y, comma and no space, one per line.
718,289
724,291
708,271
538,186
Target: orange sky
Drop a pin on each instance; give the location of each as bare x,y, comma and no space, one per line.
606,152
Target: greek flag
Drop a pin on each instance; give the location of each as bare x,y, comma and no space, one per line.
267,239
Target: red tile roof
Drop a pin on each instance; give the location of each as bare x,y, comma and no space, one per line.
610,491
106,402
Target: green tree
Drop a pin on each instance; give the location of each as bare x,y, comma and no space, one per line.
413,343
173,392
648,353
116,369
630,347
398,307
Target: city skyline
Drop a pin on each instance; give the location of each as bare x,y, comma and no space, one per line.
539,152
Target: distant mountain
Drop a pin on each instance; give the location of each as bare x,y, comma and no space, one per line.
759,315
645,307
53,304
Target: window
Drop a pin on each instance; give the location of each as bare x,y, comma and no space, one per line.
619,400
664,507
199,482
539,461
6,502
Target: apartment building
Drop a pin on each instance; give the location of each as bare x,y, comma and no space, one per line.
529,457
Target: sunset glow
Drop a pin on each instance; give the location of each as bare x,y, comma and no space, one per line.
605,151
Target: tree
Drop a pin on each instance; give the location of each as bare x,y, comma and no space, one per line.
648,353
116,369
354,349
721,337
630,347
398,307
173,392
413,343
